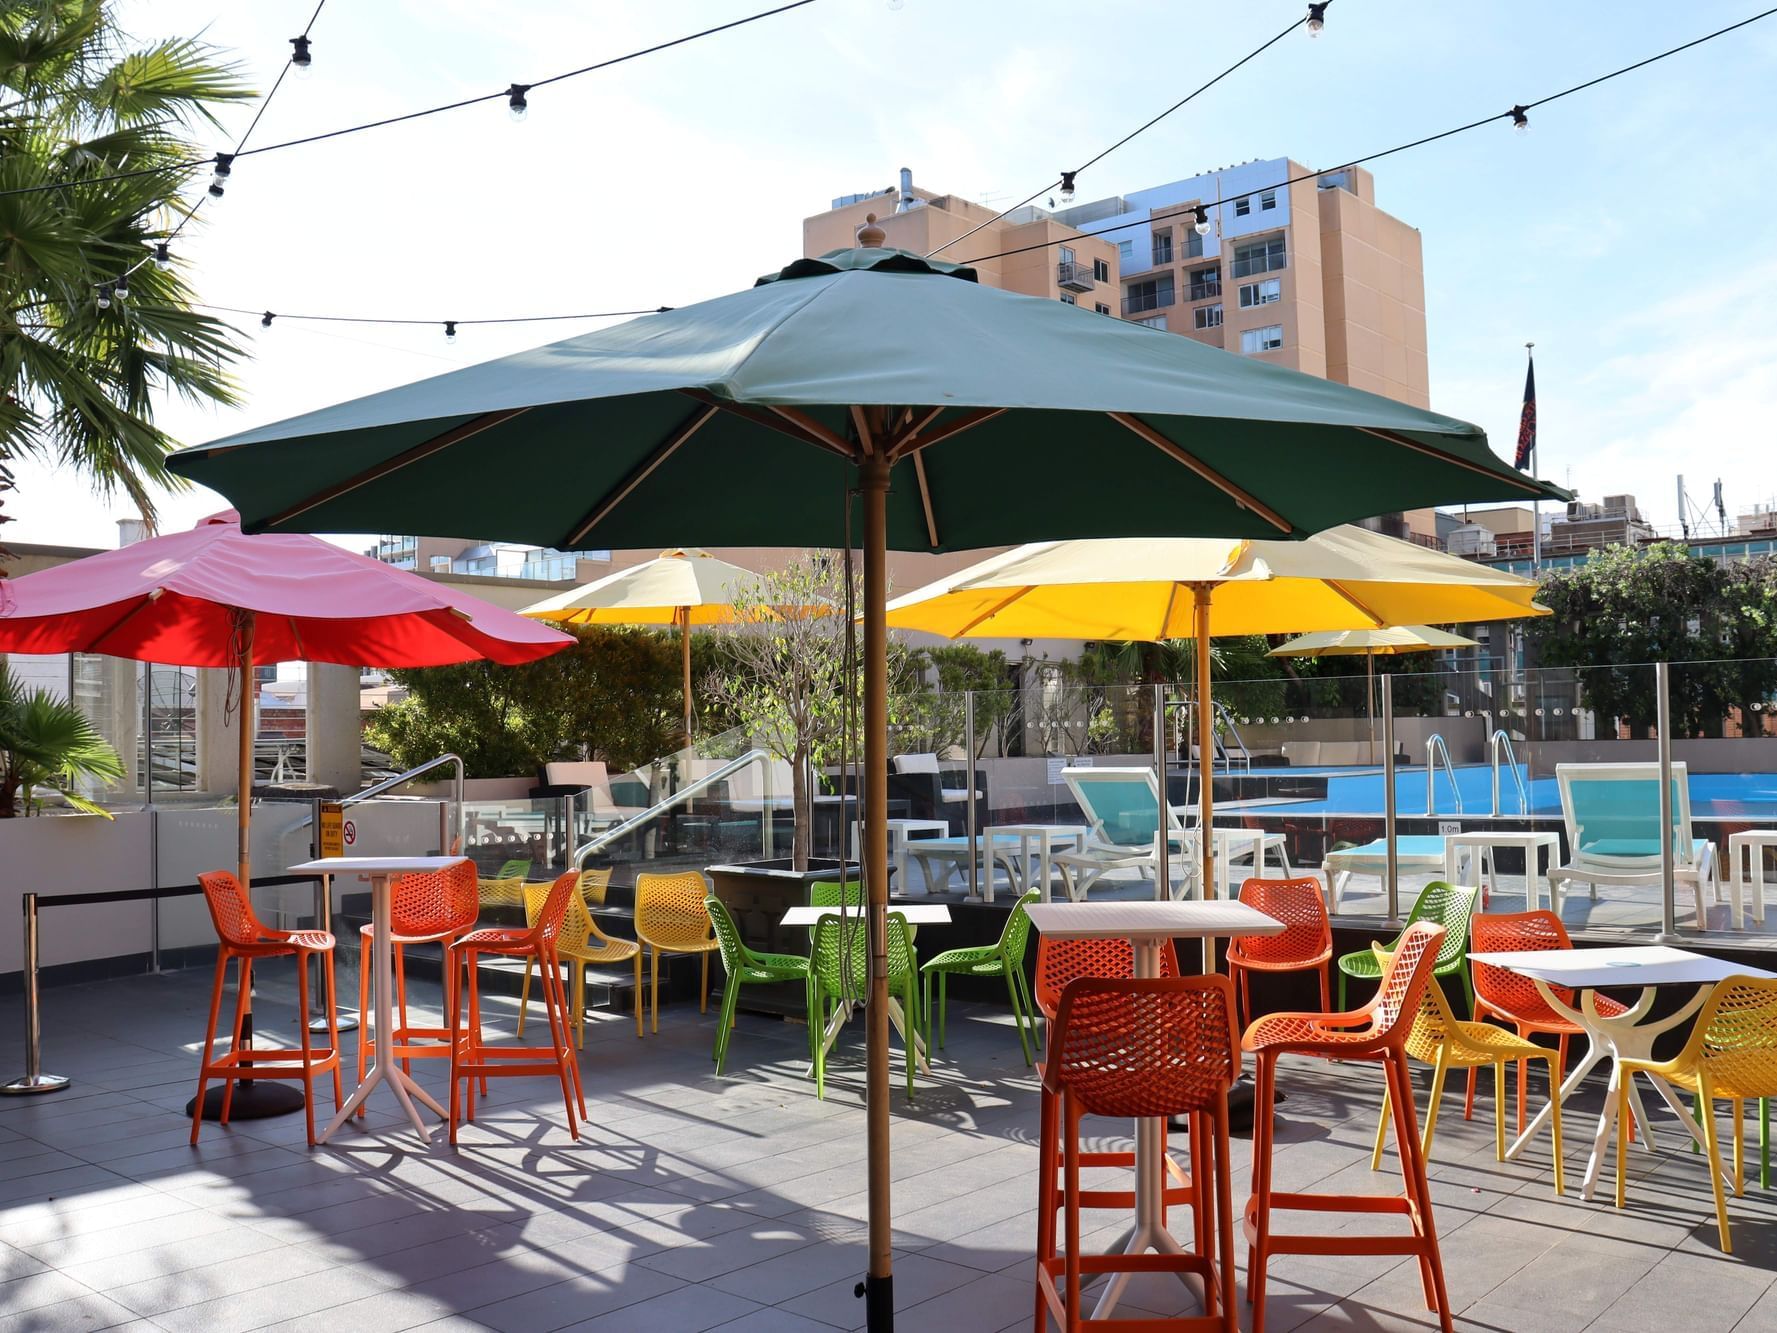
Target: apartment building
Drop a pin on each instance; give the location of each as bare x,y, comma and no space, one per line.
1309,274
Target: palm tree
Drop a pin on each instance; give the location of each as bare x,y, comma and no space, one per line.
80,102
48,742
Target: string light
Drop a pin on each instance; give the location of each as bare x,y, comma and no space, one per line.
1317,19
266,319
1067,187
104,300
219,180
516,106
300,59
1200,224
163,255
450,330
1521,119
121,288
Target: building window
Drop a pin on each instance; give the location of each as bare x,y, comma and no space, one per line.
1125,251
1267,200
1260,293
1102,308
1208,316
1267,339
1101,271
1206,282
1067,298
1243,206
1152,294
1193,244
1066,254
1153,322
1266,256
1163,247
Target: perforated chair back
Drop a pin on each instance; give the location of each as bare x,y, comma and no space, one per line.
1062,961
1452,908
1402,990
734,952
231,911
831,893
551,921
1736,1037
576,921
670,912
1513,993
1307,934
1015,938
594,884
1149,1047
435,902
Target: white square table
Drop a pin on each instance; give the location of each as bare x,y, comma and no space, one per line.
1747,848
940,858
1145,925
381,871
1540,850
1029,865
900,832
1617,1037
914,914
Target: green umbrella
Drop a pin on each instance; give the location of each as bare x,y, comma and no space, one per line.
753,419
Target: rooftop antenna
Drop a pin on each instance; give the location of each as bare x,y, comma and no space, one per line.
1684,516
1721,509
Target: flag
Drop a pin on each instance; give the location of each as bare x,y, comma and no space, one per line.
1527,421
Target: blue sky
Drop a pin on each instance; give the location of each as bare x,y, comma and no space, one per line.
1630,235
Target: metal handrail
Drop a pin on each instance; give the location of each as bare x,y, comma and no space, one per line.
1498,740
388,784
1227,719
1435,746
608,836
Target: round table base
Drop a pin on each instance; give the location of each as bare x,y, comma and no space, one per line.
254,1099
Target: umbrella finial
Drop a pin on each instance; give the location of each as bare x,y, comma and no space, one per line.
871,236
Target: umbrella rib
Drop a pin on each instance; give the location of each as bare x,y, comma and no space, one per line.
762,418
456,435
992,611
641,472
799,418
1391,437
912,442
1377,621
1180,455
860,422
925,499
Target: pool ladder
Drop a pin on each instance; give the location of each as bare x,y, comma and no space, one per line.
1502,740
1434,749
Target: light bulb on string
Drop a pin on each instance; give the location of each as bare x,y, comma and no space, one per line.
1521,119
266,319
516,106
122,288
219,180
104,297
450,330
300,59
1067,186
163,255
1317,19
1200,220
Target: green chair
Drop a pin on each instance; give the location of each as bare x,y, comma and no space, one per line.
1443,905
830,893
839,966
744,967
1005,959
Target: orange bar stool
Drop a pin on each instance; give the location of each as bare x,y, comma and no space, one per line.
1500,993
1062,961
242,937
671,918
1160,1047
472,1058
433,908
1378,1032
1306,943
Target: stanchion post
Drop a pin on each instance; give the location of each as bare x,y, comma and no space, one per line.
1392,851
1663,723
975,859
34,1080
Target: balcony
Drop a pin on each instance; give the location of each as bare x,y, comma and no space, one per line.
1138,302
1246,265
1074,276
1163,256
1203,291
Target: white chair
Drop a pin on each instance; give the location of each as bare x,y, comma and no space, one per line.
1123,805
928,763
1612,812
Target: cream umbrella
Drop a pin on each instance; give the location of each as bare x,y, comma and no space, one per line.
1372,643
1185,587
679,587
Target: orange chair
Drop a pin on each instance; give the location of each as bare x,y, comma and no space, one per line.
1131,1048
436,907
1306,942
1514,997
240,935
1062,961
1378,1032
473,1059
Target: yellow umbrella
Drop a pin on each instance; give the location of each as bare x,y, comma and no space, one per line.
1372,643
1184,587
679,587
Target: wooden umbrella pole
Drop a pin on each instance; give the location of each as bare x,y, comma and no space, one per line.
244,799
879,1304
683,615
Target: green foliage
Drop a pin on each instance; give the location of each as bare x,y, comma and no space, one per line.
1627,607
614,695
79,100
938,721
48,742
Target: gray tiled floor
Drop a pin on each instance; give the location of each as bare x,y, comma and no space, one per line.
694,1202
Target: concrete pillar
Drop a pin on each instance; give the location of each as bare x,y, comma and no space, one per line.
120,717
218,763
335,754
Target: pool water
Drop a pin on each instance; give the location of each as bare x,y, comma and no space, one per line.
1738,796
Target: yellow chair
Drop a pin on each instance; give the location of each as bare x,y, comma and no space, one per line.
671,918
581,945
1440,1040
1731,1056
505,888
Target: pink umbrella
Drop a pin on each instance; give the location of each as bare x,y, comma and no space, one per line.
214,597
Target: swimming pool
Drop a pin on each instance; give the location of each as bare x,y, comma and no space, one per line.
1358,791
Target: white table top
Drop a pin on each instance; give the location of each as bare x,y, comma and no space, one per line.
1054,830
1150,920
1635,965
376,865
1502,838
915,914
